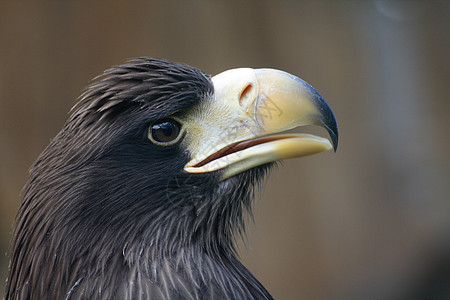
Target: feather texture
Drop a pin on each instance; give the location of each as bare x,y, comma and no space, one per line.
108,215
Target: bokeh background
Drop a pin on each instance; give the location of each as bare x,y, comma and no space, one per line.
369,222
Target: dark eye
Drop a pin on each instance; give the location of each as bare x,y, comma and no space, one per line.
165,132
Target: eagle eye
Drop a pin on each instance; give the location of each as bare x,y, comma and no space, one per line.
165,132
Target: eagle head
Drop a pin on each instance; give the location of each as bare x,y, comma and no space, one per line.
145,189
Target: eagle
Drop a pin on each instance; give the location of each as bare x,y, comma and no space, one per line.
147,187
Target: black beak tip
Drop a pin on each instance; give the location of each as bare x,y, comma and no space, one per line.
329,122
334,138
326,115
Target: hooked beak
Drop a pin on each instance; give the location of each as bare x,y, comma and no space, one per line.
239,127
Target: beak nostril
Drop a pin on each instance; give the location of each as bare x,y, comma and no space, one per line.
245,94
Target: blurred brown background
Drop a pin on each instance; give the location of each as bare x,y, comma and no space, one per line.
369,222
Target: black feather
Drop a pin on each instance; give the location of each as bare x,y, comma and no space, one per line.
106,214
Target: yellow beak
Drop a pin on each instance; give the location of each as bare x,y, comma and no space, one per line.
238,127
